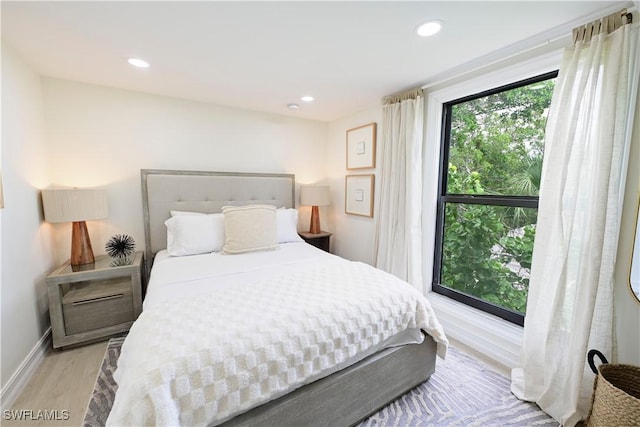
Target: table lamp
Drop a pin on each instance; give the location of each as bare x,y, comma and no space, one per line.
77,206
314,196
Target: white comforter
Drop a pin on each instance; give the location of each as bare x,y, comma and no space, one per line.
225,339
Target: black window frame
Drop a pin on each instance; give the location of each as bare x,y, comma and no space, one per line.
487,200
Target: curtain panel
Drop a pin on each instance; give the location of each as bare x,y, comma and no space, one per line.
570,302
398,240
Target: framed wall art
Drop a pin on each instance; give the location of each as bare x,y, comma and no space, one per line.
361,147
358,193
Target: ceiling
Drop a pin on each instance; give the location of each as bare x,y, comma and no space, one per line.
263,55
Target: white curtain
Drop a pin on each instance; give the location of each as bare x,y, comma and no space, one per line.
570,303
398,242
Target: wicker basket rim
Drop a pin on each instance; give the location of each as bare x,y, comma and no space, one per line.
634,373
633,368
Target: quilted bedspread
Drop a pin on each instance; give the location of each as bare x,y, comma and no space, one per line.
219,353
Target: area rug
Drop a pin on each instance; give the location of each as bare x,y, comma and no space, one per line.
462,392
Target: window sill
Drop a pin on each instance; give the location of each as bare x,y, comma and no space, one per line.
489,335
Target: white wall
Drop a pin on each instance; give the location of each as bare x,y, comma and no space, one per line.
353,236
27,254
102,137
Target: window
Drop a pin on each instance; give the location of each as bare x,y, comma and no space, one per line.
490,169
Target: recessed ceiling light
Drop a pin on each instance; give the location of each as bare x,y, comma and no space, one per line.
307,98
429,28
293,106
137,62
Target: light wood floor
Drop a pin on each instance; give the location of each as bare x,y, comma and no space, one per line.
63,382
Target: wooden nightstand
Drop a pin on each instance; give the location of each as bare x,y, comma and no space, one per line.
320,240
94,301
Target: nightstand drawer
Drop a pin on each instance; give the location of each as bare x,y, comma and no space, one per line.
94,301
97,304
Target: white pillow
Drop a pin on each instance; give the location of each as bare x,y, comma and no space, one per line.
249,228
194,234
287,225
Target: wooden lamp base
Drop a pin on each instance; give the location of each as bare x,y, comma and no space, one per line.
81,251
314,227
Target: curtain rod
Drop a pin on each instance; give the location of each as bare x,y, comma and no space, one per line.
517,49
607,25
403,96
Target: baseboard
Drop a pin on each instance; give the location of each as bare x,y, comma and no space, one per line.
25,371
489,335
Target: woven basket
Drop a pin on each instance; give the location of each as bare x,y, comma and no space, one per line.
616,394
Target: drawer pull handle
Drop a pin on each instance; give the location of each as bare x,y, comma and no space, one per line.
89,301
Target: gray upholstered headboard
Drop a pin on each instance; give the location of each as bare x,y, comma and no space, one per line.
207,192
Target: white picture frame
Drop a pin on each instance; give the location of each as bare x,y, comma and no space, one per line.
361,147
359,194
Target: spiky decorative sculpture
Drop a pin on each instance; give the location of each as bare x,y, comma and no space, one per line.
120,246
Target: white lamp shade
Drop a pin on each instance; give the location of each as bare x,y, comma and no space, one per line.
315,195
70,205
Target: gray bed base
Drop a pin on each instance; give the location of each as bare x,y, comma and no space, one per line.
350,395
340,399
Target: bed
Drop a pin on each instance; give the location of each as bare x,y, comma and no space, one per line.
287,336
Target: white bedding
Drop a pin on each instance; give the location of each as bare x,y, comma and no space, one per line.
221,334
